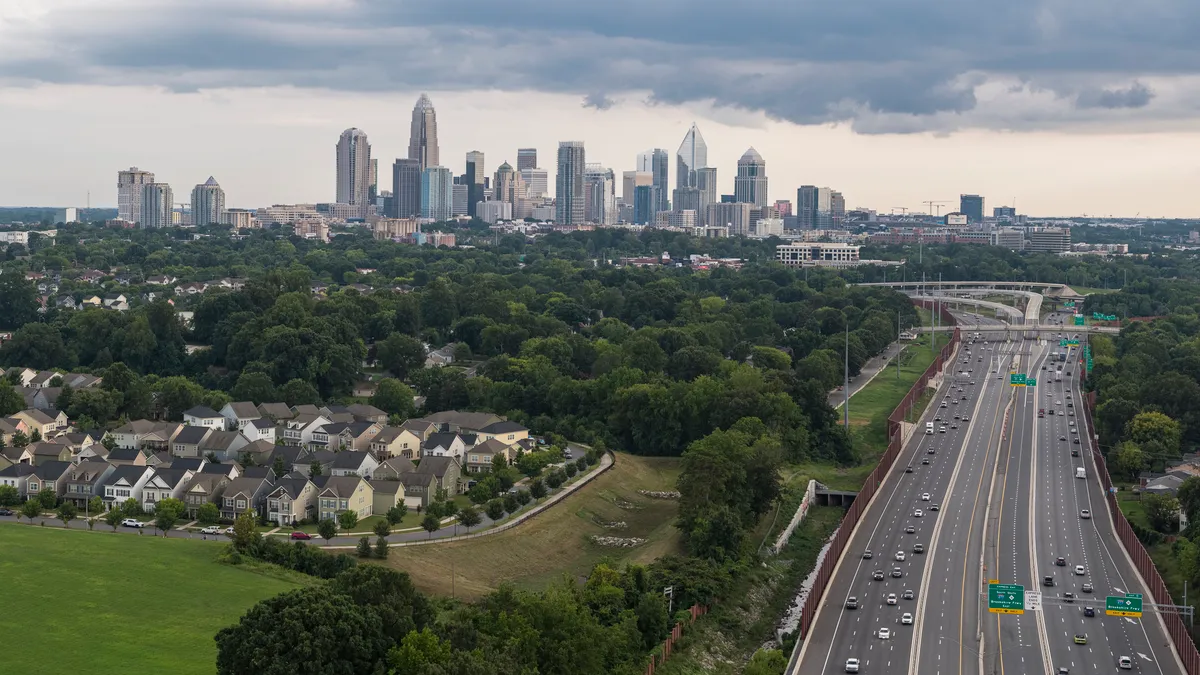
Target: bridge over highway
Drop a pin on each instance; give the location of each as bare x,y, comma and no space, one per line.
1050,290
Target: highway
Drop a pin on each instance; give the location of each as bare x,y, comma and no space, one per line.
956,479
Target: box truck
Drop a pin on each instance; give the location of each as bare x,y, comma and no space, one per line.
1080,472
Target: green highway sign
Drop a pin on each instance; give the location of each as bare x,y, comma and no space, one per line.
1104,317
1016,379
1062,343
1030,382
1068,303
1006,599
1078,319
1129,605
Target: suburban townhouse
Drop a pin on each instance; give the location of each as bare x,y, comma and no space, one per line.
420,428
395,442
505,431
393,468
204,488
239,414
299,430
277,412
17,475
164,484
125,456
348,435
261,429
290,500
9,427
444,445
43,379
446,471
481,456
187,442
22,376
244,494
93,452
257,453
351,463
419,489
125,482
49,476
203,416
224,444
86,480
42,452
146,435
46,424
336,494
386,495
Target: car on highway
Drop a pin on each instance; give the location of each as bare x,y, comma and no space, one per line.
1079,571
943,405
932,451
1071,413
909,468
925,461
1076,441
897,573
131,522
925,497
953,425
867,555
1088,611
1125,663
1081,639
1062,670
877,575
211,529
906,619
942,429
891,598
1087,588
907,594
910,530
851,665
1060,561
301,536
899,556
918,548
884,633
1085,514
1062,438
852,602
1068,597
918,513
935,507
1074,452
1047,581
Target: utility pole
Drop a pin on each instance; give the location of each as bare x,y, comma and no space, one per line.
846,381
899,347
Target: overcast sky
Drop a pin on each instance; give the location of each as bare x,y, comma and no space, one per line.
1065,106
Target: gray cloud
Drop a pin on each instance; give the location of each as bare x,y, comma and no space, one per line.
881,65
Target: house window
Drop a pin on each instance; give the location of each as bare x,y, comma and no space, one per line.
273,504
345,503
241,504
229,502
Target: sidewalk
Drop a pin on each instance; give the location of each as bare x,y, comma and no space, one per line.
868,372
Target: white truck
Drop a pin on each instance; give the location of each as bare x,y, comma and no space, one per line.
1080,472
929,428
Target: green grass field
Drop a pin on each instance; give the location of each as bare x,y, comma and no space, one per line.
103,603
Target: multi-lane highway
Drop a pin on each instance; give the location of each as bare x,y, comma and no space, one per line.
1009,505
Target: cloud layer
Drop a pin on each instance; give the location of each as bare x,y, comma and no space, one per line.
881,65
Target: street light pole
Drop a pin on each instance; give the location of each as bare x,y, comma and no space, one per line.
846,381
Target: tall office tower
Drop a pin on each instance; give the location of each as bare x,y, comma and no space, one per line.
475,180
437,193
630,180
423,138
685,199
806,207
406,188
706,183
972,207
569,197
460,198
353,168
735,216
208,203
655,162
645,204
129,193
823,215
600,197
537,181
373,188
508,185
750,184
526,158
784,207
157,205
692,155
837,208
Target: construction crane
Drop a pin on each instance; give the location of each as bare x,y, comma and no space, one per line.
931,202
902,209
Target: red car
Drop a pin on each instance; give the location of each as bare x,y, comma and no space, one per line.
301,535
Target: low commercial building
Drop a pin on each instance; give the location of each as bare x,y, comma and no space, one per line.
822,254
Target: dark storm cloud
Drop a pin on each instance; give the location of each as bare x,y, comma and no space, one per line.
799,60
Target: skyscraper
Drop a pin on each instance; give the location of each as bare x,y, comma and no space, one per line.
129,193
645,204
537,181
655,162
630,180
837,208
706,183
692,155
157,204
437,193
972,207
526,158
750,184
406,188
475,180
569,197
353,168
600,197
423,138
208,203
509,186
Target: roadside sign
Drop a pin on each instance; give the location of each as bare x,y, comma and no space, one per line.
1030,382
1033,601
1006,599
1128,605
1078,319
1016,379
1069,303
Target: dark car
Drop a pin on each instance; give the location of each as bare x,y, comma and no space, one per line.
1088,611
1060,561
304,536
6,512
1047,581
1076,441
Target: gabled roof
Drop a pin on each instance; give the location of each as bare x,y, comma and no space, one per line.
390,487
337,486
464,420
244,485
416,478
202,411
259,447
208,482
52,470
37,416
259,472
220,441
169,477
305,409
262,423
123,454
490,447
290,486
364,410
398,465
350,460
45,449
88,472
388,434
325,457
130,473
189,463
291,454
244,410
17,471
278,411
418,426
219,469
190,435
503,427
435,465
440,440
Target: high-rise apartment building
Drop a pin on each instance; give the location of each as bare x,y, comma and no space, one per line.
373,188
750,184
353,168
655,162
706,183
437,193
569,195
837,208
460,198
423,138
692,155
818,208
526,158
208,203
406,188
806,207
475,180
735,216
630,180
685,199
972,207
1009,212
537,182
129,193
645,204
600,196
157,205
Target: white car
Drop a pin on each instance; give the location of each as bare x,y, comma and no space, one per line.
211,529
918,513
1085,514
925,497
906,619
891,598
229,530
132,522
1125,663
1079,571
884,633
851,665
899,556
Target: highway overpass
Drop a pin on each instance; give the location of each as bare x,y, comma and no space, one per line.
1051,290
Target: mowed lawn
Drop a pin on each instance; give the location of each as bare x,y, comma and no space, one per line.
104,603
558,540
